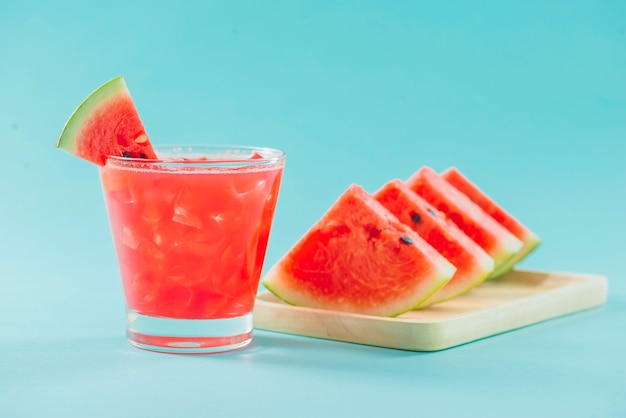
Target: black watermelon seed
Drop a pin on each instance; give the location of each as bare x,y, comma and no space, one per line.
432,212
406,240
126,154
142,155
415,217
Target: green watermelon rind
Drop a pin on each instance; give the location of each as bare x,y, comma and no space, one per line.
530,242
68,138
445,279
272,280
485,264
511,246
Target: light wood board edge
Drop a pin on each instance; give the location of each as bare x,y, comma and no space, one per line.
583,291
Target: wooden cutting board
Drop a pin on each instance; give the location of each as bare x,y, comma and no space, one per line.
515,300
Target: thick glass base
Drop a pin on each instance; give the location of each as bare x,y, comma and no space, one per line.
192,336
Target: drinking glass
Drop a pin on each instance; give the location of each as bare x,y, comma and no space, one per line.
190,231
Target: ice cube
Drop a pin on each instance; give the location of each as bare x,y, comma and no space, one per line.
129,238
243,185
151,214
124,196
168,234
144,287
151,250
185,200
187,268
184,217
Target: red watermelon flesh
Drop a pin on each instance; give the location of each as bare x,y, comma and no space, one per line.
473,264
529,239
492,237
359,258
106,124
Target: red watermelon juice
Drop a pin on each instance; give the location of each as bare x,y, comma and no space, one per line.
190,232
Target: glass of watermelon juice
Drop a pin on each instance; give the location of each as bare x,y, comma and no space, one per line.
190,232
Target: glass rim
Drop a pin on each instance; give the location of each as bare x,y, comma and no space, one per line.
204,155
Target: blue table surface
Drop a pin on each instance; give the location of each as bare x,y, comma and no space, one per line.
528,99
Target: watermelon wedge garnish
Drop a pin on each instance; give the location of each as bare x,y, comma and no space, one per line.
106,124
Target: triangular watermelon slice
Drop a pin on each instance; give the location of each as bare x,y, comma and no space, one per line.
106,124
473,264
529,239
359,258
492,237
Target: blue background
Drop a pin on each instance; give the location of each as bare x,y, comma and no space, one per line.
528,99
